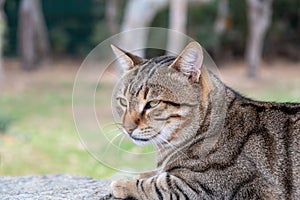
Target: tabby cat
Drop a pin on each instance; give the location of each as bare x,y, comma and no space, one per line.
212,143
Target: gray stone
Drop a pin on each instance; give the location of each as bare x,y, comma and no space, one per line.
55,186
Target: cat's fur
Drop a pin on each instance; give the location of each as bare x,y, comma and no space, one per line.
212,143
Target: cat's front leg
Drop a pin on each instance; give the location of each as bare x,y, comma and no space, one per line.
162,186
118,187
123,188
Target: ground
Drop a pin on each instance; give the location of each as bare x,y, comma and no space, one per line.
42,138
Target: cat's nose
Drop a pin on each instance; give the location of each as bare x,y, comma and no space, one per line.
130,123
130,129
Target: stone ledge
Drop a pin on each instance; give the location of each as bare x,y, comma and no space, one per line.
53,186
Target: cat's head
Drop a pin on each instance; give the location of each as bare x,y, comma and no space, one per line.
158,99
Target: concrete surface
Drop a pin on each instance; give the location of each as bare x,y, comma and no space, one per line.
53,187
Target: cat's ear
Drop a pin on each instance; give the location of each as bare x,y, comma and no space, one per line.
125,59
189,61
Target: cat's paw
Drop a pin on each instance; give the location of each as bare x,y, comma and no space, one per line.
122,189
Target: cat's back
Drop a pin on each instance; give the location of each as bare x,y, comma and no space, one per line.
277,134
279,121
273,114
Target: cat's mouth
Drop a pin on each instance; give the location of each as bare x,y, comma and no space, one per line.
144,139
149,136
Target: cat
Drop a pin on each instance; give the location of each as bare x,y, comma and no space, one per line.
212,143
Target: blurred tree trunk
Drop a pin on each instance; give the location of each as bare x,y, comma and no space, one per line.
259,17
177,22
111,15
139,14
33,38
221,24
2,31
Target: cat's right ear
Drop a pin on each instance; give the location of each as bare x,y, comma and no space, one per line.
125,59
190,61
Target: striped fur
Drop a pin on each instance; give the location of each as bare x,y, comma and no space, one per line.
212,143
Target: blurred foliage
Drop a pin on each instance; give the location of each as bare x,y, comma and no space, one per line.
5,122
284,35
76,26
71,25
201,23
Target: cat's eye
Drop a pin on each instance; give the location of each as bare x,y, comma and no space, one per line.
123,102
153,103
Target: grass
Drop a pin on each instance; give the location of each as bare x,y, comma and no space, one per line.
41,136
5,121
275,93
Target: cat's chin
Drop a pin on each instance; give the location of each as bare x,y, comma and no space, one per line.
140,143
144,143
160,144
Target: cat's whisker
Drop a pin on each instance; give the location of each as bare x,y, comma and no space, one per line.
112,131
124,126
116,136
111,142
111,125
114,75
173,147
120,142
155,142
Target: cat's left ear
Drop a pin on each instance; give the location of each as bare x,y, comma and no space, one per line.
190,61
126,60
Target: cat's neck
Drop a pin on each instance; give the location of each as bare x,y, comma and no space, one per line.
209,119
